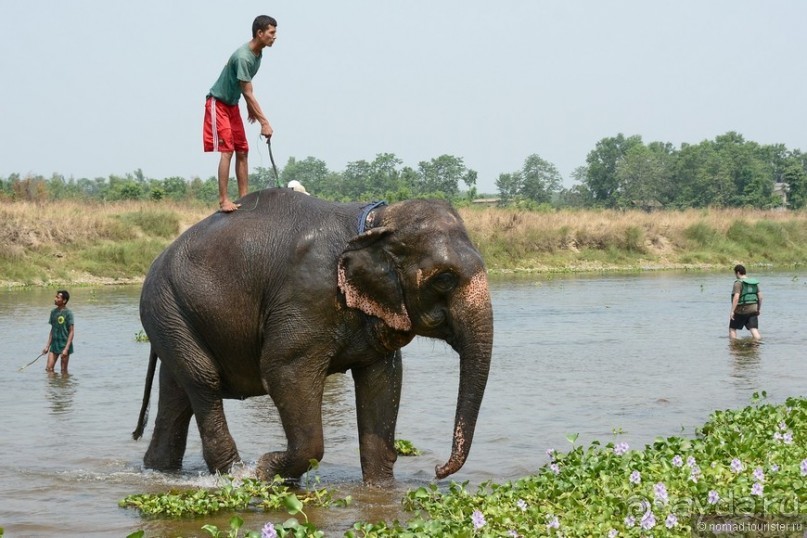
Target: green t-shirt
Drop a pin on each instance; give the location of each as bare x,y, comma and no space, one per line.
60,323
241,67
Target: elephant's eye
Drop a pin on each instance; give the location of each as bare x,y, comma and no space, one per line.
445,281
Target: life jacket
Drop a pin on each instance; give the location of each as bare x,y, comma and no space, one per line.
750,291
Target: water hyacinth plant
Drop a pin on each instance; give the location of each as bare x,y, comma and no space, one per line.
733,466
235,495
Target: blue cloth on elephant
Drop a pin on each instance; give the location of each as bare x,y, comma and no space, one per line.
362,225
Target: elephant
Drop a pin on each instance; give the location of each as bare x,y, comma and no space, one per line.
273,298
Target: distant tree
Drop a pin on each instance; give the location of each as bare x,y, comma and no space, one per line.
509,185
205,191
175,188
312,173
442,175
263,178
601,170
540,180
643,174
794,176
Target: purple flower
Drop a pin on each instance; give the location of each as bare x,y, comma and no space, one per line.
478,519
550,452
671,521
695,473
736,465
782,426
555,468
756,489
630,521
691,461
759,474
635,477
787,438
804,467
777,436
621,449
648,520
512,533
553,522
613,533
678,461
713,497
660,491
774,468
522,505
268,531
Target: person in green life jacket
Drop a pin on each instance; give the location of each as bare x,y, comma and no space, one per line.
60,338
746,304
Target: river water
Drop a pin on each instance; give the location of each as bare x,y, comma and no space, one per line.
637,356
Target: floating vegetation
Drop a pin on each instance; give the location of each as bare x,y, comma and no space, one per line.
243,495
746,466
406,448
141,336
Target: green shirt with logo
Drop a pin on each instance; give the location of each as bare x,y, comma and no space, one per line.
241,67
60,323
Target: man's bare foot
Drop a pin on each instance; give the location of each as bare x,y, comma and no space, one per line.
228,207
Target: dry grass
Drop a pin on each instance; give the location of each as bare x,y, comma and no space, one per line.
572,240
90,242
32,225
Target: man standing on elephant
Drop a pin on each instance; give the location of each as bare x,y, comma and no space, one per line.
223,128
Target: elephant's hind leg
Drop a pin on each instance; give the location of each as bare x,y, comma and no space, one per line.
174,413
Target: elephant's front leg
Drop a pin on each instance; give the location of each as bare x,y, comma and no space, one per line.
297,394
378,395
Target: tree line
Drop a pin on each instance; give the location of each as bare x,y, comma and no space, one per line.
620,172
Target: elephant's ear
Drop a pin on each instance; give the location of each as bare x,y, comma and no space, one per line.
369,279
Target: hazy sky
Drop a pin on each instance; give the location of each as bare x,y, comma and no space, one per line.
92,88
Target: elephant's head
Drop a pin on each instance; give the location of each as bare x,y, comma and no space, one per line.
417,271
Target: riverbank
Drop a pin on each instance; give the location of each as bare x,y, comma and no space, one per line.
71,243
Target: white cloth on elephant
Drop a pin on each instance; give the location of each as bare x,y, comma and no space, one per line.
297,186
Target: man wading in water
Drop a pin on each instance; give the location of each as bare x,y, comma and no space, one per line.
223,129
746,304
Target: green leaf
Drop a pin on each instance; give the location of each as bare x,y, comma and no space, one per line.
293,504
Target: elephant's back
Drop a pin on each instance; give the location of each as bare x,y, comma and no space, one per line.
273,232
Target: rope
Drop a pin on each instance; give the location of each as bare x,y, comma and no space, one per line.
362,224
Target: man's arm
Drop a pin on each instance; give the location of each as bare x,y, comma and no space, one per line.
50,339
254,109
69,340
734,301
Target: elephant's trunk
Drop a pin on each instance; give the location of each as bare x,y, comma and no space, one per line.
474,343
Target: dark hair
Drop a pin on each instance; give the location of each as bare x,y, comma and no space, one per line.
262,22
65,295
739,269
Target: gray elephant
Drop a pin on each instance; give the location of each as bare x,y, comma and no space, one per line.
273,298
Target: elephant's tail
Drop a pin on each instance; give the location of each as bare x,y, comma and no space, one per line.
144,410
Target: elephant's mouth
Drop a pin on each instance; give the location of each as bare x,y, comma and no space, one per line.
434,319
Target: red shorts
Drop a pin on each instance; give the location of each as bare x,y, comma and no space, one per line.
223,129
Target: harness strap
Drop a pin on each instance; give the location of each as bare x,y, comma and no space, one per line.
364,216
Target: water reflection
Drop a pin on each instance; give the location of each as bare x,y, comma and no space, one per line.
590,355
61,390
745,366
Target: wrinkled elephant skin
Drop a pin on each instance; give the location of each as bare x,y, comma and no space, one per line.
273,298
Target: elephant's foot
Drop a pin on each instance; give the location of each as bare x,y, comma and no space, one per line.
162,460
280,464
222,462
